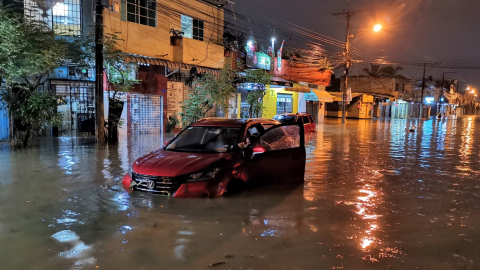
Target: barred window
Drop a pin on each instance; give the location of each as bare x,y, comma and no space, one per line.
198,29
64,17
142,12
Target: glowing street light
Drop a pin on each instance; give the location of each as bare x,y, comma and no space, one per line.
377,28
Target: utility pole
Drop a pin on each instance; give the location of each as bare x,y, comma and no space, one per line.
348,14
441,91
99,109
423,90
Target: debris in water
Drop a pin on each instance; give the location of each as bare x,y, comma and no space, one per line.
217,263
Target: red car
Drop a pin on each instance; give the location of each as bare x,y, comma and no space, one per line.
215,156
301,118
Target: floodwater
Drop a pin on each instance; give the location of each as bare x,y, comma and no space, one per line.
376,196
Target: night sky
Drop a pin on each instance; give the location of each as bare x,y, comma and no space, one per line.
414,30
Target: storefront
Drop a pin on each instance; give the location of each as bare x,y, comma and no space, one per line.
315,103
282,97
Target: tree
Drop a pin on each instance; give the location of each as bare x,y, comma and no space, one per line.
29,51
120,73
386,71
210,91
260,79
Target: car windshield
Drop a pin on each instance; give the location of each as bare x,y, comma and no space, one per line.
205,139
284,119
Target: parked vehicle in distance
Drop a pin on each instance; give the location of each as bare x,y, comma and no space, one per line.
215,156
302,118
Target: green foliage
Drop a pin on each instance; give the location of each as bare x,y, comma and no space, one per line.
121,74
171,123
209,91
29,51
195,107
260,79
35,110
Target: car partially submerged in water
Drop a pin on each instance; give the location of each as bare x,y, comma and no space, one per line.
215,156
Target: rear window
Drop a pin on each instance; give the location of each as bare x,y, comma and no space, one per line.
306,119
284,119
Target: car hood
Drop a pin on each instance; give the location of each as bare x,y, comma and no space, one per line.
171,163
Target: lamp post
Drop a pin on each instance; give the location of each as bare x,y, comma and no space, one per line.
348,61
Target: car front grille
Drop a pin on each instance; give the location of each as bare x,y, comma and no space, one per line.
157,184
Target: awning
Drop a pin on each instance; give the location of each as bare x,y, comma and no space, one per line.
172,65
323,96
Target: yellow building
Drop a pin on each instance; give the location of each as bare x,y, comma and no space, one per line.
145,30
168,39
278,100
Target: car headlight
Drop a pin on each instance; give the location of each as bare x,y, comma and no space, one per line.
201,176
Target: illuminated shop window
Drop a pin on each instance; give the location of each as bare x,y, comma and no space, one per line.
64,17
142,12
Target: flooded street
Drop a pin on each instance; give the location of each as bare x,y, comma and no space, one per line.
376,196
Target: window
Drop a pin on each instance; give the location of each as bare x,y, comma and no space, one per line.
141,12
65,17
403,87
192,28
205,139
306,120
197,29
284,103
397,87
283,137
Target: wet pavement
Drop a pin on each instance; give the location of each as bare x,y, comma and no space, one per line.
376,196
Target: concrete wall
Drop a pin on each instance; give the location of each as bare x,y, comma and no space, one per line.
379,86
155,41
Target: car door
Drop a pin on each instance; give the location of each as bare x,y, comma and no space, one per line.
279,155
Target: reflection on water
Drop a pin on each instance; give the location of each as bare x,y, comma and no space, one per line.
376,196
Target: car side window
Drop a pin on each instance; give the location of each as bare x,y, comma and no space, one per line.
299,120
306,119
282,137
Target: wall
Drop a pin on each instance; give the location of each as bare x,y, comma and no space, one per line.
380,86
270,101
155,41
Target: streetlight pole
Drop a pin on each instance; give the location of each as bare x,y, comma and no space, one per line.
99,109
348,14
423,90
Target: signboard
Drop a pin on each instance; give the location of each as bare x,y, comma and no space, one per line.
262,61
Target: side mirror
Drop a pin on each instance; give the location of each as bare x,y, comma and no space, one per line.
166,143
259,149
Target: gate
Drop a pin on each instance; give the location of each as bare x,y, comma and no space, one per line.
4,123
146,113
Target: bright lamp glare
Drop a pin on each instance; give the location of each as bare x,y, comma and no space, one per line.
273,39
249,43
377,28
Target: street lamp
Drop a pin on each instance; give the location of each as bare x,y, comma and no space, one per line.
348,14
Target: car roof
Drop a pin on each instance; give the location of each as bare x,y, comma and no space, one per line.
293,114
225,122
